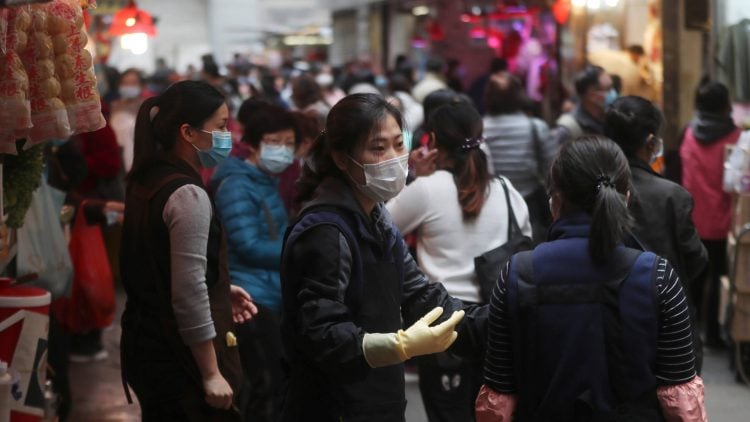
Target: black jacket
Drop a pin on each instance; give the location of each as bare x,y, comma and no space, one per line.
663,217
320,329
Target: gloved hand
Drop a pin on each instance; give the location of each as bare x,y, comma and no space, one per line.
419,339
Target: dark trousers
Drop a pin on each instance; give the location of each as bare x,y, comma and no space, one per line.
191,408
170,411
449,387
706,293
259,339
57,359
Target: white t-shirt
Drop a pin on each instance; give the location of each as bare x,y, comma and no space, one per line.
446,244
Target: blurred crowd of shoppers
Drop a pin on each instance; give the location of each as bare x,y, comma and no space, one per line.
300,169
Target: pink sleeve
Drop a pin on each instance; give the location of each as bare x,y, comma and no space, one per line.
494,407
683,402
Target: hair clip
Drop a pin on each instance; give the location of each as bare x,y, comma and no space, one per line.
472,143
604,181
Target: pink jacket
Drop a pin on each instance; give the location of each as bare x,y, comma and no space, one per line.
702,172
679,403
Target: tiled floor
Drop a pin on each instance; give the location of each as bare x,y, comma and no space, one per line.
97,391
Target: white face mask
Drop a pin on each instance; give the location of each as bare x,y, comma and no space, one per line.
659,152
383,181
130,92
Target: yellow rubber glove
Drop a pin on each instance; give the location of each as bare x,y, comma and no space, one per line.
419,339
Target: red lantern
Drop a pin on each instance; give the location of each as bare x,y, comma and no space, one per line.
478,33
561,10
132,20
435,30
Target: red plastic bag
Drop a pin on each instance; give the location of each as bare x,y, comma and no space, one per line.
91,304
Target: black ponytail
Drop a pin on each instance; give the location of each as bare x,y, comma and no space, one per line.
591,174
458,131
610,221
350,122
159,119
145,144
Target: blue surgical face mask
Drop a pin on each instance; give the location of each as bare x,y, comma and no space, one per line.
610,97
275,158
220,149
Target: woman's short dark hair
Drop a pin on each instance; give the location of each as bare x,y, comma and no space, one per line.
439,98
350,122
305,91
587,78
712,97
132,70
398,82
592,175
306,124
455,125
629,121
504,95
186,102
260,117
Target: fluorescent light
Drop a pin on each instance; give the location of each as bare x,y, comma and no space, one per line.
594,4
420,11
307,40
612,3
137,43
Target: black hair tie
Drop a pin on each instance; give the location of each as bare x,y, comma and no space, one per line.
603,181
471,143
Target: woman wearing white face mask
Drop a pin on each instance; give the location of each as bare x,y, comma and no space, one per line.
131,90
355,304
250,207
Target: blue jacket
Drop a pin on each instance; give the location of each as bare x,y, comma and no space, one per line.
584,334
252,212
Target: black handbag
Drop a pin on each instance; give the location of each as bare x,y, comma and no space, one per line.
489,264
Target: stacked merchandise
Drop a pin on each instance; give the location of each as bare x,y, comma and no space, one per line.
47,85
47,92
739,259
735,292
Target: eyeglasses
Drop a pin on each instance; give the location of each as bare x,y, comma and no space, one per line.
278,141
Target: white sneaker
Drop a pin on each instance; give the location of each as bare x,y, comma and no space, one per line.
95,357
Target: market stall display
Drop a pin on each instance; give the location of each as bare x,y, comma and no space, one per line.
738,294
24,317
47,92
15,113
48,115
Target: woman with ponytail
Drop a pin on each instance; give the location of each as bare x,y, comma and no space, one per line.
355,304
583,328
178,351
459,212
